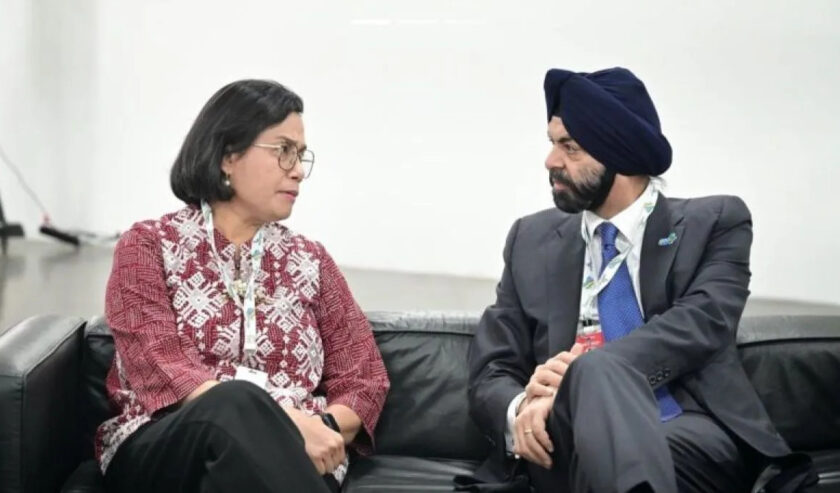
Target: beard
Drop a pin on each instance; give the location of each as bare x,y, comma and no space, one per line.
589,194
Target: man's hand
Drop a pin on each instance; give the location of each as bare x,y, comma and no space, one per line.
324,446
547,377
531,440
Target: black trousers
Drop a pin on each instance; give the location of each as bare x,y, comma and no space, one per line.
608,437
232,439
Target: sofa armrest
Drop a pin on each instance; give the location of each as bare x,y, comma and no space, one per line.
39,373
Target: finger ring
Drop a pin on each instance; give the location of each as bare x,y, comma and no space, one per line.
529,431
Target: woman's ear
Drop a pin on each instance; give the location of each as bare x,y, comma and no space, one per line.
228,162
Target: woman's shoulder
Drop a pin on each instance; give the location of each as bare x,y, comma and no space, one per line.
290,241
153,231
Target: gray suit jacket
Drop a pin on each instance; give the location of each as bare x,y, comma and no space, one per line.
693,293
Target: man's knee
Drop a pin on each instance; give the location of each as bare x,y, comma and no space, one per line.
597,372
588,373
595,365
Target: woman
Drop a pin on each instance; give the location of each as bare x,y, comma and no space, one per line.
242,361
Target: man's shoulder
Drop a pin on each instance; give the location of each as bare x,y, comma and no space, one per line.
711,207
544,221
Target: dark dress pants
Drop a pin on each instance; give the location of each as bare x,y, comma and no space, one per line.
234,438
608,437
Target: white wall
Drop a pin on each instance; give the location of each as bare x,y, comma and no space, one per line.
48,79
427,117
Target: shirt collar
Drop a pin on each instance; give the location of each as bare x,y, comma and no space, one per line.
627,221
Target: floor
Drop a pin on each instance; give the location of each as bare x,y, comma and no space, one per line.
38,277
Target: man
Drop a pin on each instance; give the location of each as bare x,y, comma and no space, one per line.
608,361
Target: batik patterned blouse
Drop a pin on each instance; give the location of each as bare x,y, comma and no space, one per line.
175,327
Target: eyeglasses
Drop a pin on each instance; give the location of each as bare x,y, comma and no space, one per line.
288,156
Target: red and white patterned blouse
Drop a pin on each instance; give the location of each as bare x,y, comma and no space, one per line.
175,328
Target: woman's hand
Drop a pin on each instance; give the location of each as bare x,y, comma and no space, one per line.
324,446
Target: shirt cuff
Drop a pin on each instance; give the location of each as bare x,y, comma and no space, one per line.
511,418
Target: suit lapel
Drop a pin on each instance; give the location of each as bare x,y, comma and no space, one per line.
564,252
663,234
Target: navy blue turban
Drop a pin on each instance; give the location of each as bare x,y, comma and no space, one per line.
610,114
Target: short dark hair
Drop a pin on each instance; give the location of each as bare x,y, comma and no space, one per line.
228,124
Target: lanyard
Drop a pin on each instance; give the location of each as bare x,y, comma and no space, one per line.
591,286
241,292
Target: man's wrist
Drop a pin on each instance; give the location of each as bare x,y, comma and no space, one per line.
522,403
511,413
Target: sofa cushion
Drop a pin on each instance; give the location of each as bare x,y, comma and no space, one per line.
97,355
402,474
794,365
426,412
827,464
85,479
381,473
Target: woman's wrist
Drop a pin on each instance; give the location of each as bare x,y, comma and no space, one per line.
330,422
204,387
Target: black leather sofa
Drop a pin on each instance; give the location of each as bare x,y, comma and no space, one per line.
52,396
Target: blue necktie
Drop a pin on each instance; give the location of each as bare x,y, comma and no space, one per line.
619,313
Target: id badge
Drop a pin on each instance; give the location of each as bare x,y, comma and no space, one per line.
590,337
256,377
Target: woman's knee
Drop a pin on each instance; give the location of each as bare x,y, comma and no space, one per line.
237,391
242,410
234,399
